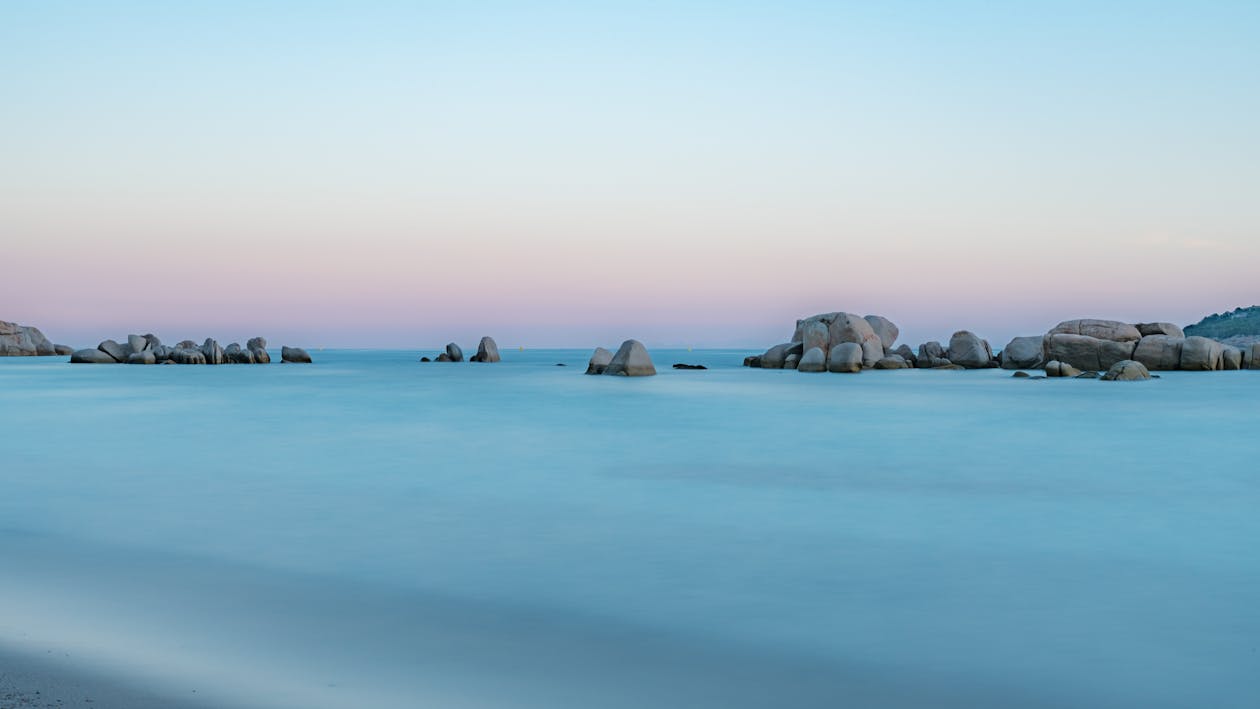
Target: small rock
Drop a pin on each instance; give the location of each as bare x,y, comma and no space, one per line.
295,355
1126,371
599,361
689,366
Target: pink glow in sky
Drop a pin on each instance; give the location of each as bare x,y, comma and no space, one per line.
398,178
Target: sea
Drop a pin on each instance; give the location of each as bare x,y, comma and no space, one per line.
373,531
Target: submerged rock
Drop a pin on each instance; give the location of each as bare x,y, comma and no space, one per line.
1126,371
680,365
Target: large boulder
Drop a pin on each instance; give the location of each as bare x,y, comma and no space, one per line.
1126,371
63,349
113,349
892,361
187,355
1200,354
1023,353
214,354
599,361
295,355
1160,328
1113,330
967,350
1080,351
137,343
235,354
487,351
777,357
814,334
92,356
845,357
906,353
885,328
791,361
1254,362
23,341
454,353
257,347
847,327
142,357
931,354
1160,353
1112,351
814,360
1231,358
631,360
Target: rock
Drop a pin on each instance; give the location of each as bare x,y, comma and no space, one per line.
454,353
892,361
425,359
1160,328
1080,351
884,328
443,358
689,366
153,341
1087,375
212,351
1111,352
753,361
1023,353
600,360
187,355
561,364
1022,375
63,349
969,351
907,354
24,341
847,327
775,356
186,345
93,356
791,361
631,360
256,343
1113,330
815,335
845,357
295,355
1159,352
1126,371
487,351
113,349
137,343
144,357
257,347
1055,368
1254,362
814,360
234,354
931,354
1200,354
1231,358
951,367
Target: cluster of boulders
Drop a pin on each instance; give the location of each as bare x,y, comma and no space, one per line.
630,360
27,341
487,351
844,342
148,349
1095,345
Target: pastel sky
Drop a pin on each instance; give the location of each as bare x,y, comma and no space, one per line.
571,174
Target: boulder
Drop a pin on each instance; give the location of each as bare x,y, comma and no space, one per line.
1254,362
153,341
631,360
63,349
1055,368
137,343
1160,353
1160,328
815,335
885,328
1126,371
443,357
931,354
454,353
847,327
1022,375
187,355
256,343
845,357
791,361
1113,330
907,354
1231,358
969,351
773,358
113,349
950,366
143,357
1080,351
294,355
599,361
93,356
1023,353
426,359
814,360
212,351
1200,354
186,345
753,361
892,361
1112,351
236,355
487,351
24,341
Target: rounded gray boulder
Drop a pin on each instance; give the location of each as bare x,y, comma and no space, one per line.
631,360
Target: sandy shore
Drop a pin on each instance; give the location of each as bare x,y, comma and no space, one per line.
55,679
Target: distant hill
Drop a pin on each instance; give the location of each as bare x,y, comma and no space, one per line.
1237,327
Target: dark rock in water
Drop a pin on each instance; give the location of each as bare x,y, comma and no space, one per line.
188,355
295,355
907,354
425,359
892,361
213,352
443,358
752,361
689,366
145,357
113,349
454,353
1087,375
1021,375
969,350
599,361
561,364
487,351
93,356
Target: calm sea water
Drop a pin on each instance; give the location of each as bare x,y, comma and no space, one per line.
371,531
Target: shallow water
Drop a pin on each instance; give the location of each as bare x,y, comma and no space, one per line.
373,531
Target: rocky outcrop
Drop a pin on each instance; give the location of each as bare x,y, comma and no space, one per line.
874,336
1126,371
931,355
631,360
1253,361
967,350
487,351
1023,353
1160,353
453,353
1199,354
599,361
845,357
906,354
1231,358
148,349
1113,330
294,355
885,328
1160,328
27,341
814,360
892,361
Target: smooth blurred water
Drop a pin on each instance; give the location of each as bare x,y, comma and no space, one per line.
372,531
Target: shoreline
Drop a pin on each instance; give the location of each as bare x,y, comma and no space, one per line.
55,678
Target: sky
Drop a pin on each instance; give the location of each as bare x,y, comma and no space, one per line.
403,174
